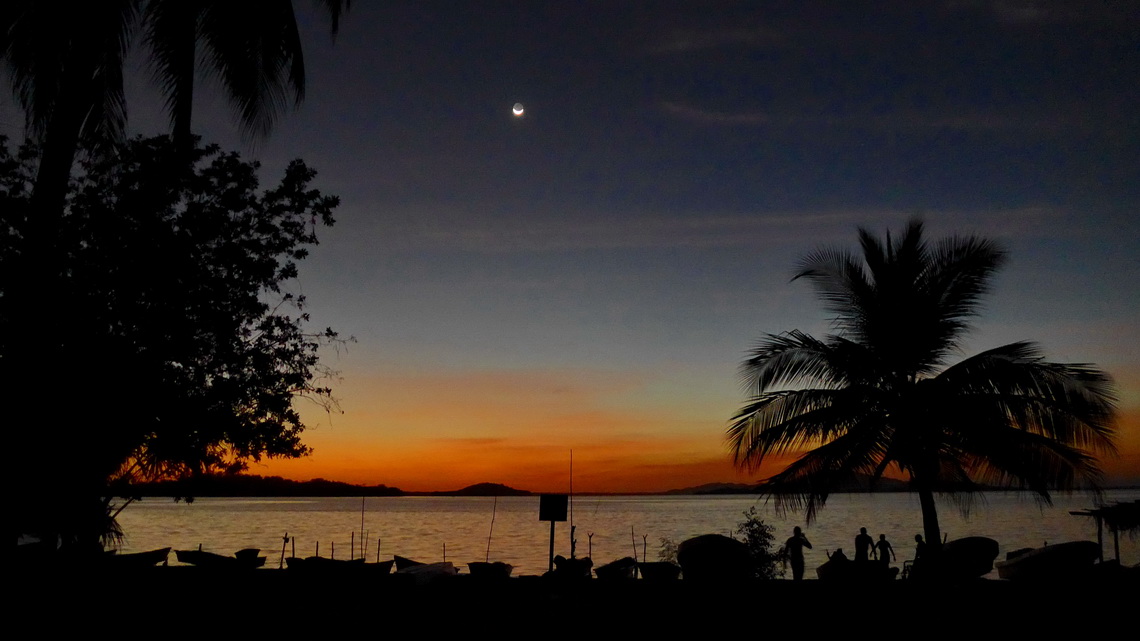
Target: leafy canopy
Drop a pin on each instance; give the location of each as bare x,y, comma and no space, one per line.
182,340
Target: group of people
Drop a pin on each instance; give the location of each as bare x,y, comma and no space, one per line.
866,549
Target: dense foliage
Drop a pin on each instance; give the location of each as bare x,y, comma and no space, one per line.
760,538
178,350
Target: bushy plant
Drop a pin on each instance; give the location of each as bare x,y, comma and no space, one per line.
760,537
667,551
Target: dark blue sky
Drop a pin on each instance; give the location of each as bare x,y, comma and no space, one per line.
590,275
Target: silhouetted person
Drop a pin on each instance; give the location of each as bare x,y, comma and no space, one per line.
795,547
919,547
884,551
863,544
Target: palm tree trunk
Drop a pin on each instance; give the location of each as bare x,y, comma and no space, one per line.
929,519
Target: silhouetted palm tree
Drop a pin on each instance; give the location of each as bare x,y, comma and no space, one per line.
254,49
66,67
879,395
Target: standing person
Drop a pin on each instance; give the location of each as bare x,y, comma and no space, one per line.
863,544
795,547
884,552
919,547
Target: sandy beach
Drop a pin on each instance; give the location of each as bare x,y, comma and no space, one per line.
276,601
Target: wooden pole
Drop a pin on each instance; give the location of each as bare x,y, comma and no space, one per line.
494,508
284,541
551,558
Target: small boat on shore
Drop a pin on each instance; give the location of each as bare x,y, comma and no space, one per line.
403,563
1051,562
969,557
424,573
623,568
659,571
247,559
321,565
133,560
490,570
839,567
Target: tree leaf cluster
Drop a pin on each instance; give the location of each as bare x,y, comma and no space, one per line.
760,539
185,351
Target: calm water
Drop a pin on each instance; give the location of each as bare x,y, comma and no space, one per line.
427,529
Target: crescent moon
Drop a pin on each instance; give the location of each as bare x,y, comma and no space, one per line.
518,109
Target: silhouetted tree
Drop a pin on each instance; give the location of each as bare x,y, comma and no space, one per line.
880,395
66,67
184,353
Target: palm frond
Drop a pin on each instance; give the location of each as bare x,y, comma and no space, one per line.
807,482
1070,403
790,359
779,422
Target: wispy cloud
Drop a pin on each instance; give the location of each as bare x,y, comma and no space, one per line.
900,121
690,40
1038,12
648,231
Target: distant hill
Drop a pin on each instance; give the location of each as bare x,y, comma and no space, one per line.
253,485
479,489
860,484
717,488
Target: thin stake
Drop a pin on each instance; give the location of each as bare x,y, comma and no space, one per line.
571,503
284,541
362,528
494,508
351,545
633,539
644,538
293,540
377,549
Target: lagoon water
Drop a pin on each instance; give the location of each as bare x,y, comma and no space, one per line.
456,529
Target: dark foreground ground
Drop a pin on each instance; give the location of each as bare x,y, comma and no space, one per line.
182,602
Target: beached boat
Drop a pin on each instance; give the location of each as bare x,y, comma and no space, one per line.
490,570
659,571
321,565
839,567
573,568
623,568
133,560
959,560
1051,562
970,557
424,573
248,560
403,563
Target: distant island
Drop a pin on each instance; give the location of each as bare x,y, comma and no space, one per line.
230,485
233,485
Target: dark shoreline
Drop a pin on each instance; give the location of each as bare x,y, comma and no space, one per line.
272,598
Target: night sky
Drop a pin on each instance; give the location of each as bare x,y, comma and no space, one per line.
589,276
